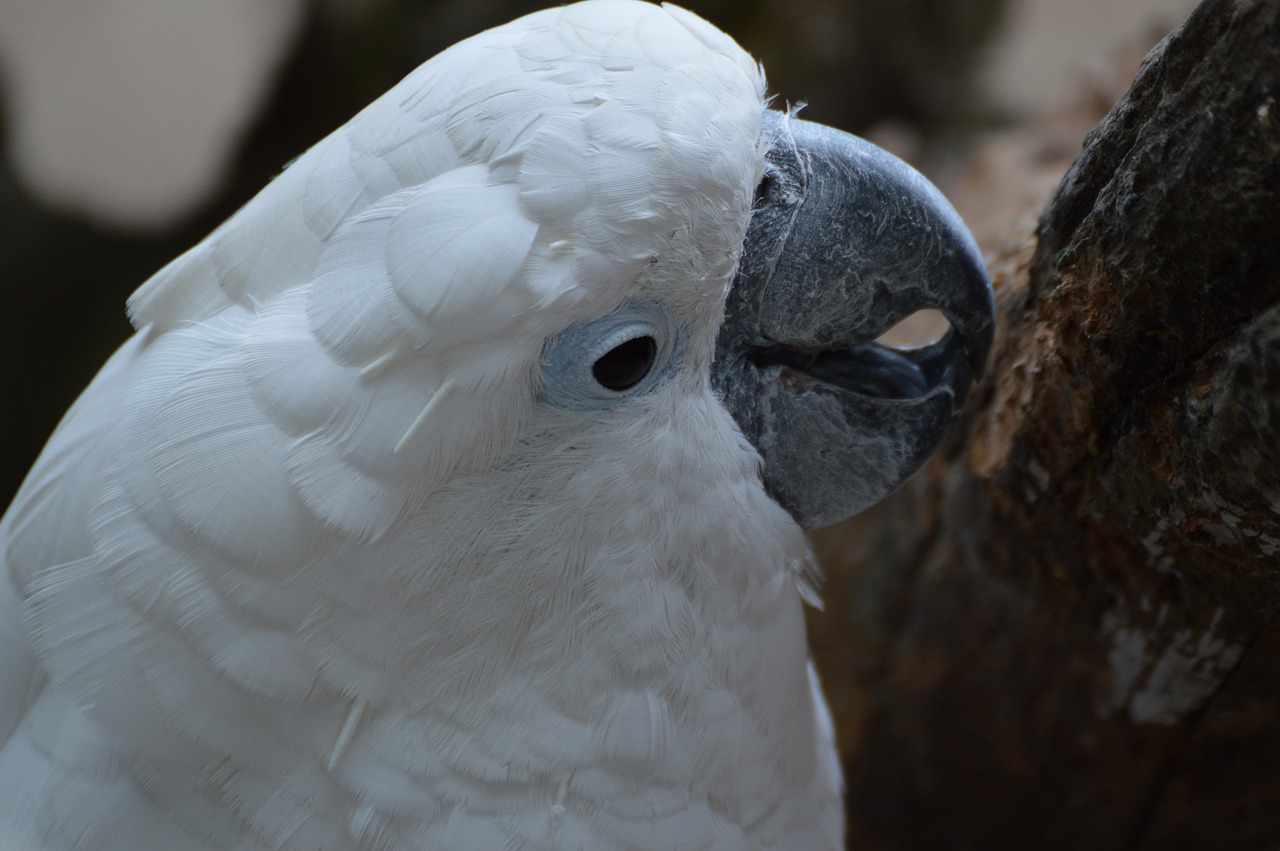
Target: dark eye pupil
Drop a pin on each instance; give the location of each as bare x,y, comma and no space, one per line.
623,366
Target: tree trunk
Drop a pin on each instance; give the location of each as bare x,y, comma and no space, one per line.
1063,632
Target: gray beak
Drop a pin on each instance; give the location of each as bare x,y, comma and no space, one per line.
847,240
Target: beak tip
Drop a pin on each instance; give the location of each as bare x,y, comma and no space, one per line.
977,328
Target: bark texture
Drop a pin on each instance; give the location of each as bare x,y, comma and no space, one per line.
1063,633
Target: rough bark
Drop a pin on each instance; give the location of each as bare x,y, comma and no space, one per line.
1063,633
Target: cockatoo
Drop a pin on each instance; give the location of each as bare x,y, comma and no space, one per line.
451,494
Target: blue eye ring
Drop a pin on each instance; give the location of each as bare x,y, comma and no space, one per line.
621,355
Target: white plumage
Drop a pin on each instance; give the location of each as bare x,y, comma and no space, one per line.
329,556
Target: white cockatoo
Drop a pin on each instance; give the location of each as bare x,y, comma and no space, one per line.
451,494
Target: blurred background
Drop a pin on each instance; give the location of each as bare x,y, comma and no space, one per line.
131,128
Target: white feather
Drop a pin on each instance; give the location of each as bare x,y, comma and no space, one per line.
311,564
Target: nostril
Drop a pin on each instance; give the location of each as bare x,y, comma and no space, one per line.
763,188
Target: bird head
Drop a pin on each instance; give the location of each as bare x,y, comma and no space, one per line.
558,223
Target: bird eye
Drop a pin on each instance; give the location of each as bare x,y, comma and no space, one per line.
608,360
624,366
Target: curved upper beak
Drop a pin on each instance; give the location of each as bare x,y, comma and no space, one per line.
845,241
